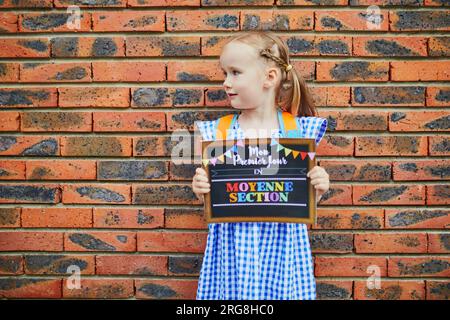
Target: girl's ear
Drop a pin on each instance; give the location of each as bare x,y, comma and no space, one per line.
271,77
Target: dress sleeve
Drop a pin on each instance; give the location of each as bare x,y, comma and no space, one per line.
207,129
313,127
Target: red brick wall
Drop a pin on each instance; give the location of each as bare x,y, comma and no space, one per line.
87,116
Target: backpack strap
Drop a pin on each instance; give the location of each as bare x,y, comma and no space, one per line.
223,124
290,124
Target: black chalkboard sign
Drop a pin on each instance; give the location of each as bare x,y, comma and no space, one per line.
260,180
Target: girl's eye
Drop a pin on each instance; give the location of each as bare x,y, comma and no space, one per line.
225,74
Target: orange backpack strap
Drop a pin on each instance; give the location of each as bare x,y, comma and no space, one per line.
289,121
223,124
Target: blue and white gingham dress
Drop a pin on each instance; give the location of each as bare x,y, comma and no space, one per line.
258,260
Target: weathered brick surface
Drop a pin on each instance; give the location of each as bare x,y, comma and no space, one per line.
92,115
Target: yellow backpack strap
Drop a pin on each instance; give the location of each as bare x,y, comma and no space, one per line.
222,126
289,121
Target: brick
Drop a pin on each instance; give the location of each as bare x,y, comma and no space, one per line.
189,71
59,264
169,241
26,4
166,289
137,218
9,72
331,96
421,170
337,195
56,217
29,145
90,146
55,72
166,46
132,170
11,265
352,71
29,193
8,22
10,218
391,290
430,266
389,46
334,290
438,194
96,193
53,22
128,21
438,242
90,4
357,170
418,20
185,119
164,194
439,146
27,288
207,3
131,265
391,146
383,3
56,121
185,265
319,45
166,97
438,290
349,219
12,170
348,266
94,97
389,194
438,96
417,219
276,20
100,241
382,96
419,121
88,47
156,146
99,288
350,20
326,242
10,121
192,218
28,98
336,145
160,3
420,71
129,121
216,97
61,170
128,71
31,241
356,120
208,20
391,243
181,171
439,46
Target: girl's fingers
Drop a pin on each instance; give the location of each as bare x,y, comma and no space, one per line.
319,180
201,179
202,185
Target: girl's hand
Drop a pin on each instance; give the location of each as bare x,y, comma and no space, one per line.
320,180
200,184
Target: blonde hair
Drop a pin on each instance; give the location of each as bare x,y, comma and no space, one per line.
292,94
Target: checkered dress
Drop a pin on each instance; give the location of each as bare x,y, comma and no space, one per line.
258,260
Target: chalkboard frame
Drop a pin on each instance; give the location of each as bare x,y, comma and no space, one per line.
312,205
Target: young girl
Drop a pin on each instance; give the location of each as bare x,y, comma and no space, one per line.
260,260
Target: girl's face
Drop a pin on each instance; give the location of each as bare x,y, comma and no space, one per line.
244,76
